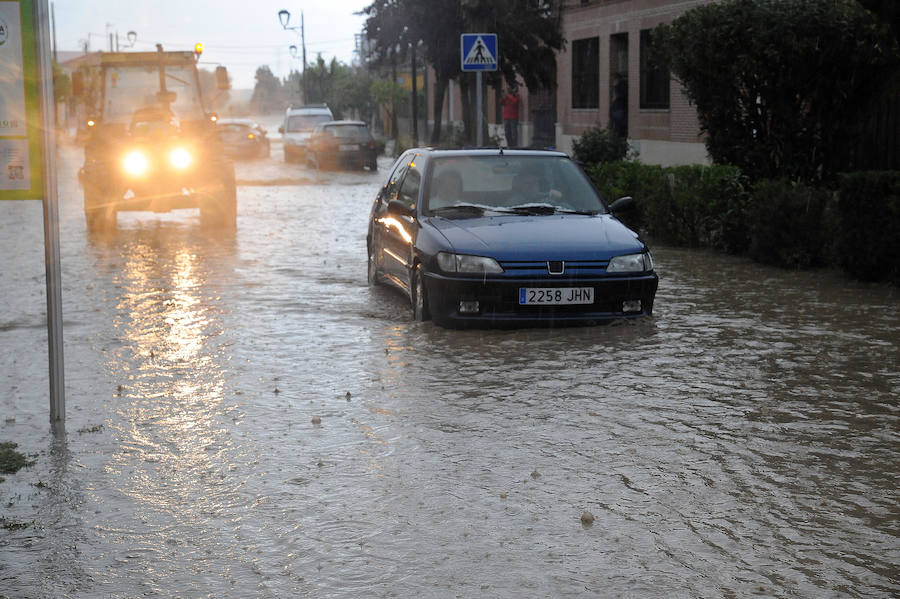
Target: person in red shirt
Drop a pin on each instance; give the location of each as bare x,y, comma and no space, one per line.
510,103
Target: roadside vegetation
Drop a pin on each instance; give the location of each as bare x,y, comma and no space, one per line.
11,461
785,93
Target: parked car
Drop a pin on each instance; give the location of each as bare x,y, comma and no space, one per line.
298,125
342,144
243,138
493,237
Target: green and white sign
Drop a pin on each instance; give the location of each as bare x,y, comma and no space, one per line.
20,114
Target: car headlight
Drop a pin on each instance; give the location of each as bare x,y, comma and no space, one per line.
180,158
631,263
467,264
136,163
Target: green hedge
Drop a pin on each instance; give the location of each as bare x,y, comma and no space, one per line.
777,222
868,238
791,224
695,206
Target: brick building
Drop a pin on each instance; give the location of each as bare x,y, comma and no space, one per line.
608,41
608,56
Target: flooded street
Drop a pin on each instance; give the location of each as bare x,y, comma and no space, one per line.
246,417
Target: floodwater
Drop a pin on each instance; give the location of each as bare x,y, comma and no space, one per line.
247,418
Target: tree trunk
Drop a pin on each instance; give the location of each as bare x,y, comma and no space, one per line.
467,95
440,88
395,134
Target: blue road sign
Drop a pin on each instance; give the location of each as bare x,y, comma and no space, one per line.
478,51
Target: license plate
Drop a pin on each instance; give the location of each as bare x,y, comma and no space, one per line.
348,148
555,296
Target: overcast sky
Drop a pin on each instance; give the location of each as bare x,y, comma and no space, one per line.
240,34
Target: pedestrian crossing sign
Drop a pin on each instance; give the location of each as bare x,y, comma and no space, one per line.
478,51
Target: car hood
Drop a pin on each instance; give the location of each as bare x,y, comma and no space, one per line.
553,237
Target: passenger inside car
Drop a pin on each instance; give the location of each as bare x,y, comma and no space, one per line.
527,188
447,190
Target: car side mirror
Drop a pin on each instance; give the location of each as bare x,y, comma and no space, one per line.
401,208
623,203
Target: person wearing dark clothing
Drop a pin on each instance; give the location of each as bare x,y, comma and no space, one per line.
618,108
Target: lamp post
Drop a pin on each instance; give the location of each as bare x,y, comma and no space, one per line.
293,50
284,17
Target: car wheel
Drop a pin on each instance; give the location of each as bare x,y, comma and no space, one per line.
419,296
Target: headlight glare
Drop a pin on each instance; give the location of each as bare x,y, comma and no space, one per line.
180,158
631,263
136,163
465,263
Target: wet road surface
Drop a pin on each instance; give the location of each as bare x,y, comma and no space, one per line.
246,417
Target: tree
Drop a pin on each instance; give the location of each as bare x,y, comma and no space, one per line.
391,95
528,32
778,84
267,93
344,88
62,84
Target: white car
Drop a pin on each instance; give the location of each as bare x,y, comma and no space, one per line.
299,122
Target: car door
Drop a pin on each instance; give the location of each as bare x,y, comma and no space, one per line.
379,211
399,228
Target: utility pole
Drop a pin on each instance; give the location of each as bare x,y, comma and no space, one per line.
415,98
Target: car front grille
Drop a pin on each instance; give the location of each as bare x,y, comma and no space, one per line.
563,268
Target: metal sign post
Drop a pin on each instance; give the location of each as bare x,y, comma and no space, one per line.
478,52
28,152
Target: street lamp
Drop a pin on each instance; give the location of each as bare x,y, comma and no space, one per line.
284,17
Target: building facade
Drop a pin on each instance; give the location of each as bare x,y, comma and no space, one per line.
607,76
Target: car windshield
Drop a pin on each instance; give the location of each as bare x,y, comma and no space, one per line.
305,122
348,132
466,185
138,87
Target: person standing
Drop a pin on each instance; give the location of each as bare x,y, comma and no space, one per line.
618,106
510,103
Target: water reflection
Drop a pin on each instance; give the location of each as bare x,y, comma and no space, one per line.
175,455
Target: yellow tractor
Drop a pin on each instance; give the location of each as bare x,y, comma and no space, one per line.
152,142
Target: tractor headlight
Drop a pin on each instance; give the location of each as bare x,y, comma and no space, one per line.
180,158
136,163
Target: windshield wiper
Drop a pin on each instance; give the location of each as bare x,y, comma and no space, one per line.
536,209
582,212
461,207
543,209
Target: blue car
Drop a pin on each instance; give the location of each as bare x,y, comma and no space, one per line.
497,238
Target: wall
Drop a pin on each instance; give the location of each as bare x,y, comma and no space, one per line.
662,136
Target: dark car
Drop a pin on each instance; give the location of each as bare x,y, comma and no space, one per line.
493,237
243,138
347,144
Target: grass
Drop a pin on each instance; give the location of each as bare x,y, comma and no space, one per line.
11,461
